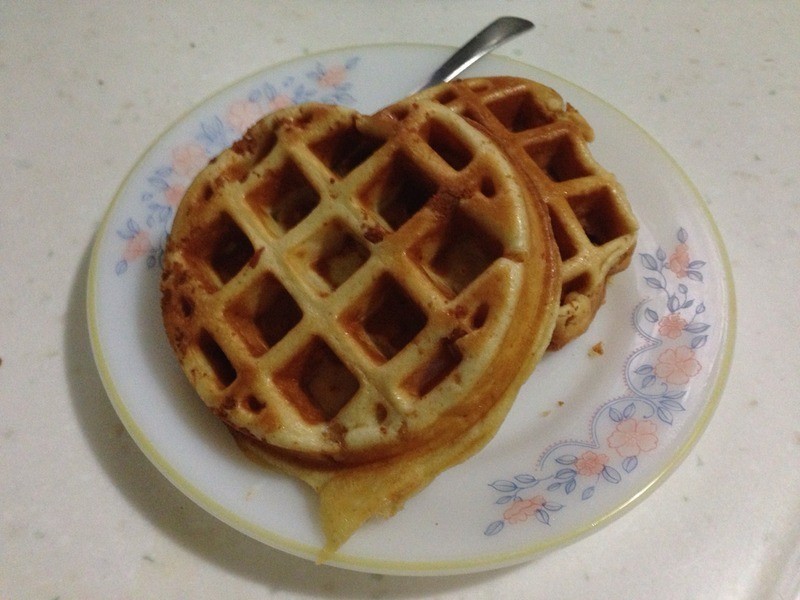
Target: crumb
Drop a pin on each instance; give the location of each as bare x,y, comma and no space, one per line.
597,349
561,403
545,413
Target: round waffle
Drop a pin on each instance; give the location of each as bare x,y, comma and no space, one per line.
593,224
343,289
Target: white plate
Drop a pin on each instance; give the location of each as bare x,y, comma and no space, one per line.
589,433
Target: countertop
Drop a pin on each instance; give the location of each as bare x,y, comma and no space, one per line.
86,87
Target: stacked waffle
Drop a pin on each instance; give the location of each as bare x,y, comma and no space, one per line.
359,298
591,219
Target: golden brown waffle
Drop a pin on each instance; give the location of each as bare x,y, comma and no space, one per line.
593,224
360,299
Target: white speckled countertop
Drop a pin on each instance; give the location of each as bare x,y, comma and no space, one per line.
86,87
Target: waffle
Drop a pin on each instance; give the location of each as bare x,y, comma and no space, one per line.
593,224
359,299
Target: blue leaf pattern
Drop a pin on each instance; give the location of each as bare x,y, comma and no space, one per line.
630,463
525,479
504,486
494,528
649,262
611,475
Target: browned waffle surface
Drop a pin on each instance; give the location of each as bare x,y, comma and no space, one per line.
344,291
548,140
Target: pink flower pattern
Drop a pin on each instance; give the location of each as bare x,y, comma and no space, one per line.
333,76
242,114
520,510
136,246
591,463
188,159
679,261
174,194
676,366
671,326
631,437
280,101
